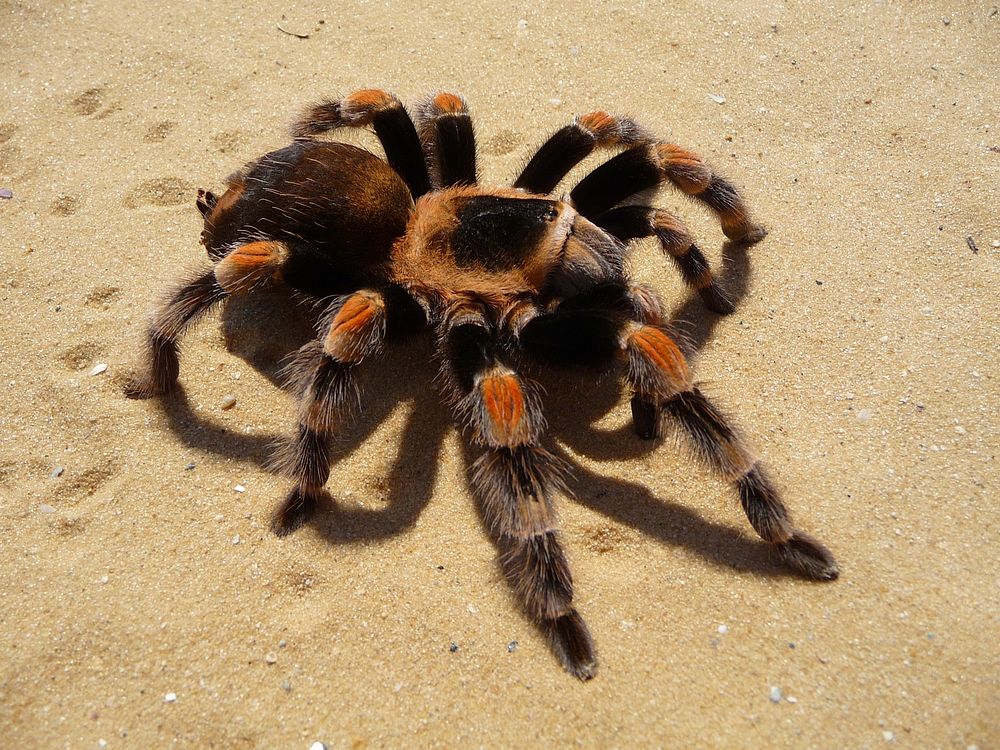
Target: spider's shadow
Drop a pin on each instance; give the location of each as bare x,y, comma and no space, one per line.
411,478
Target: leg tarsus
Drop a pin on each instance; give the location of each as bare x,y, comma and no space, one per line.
297,509
715,299
809,557
570,638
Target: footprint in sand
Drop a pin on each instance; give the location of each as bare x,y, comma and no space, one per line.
90,101
159,131
81,356
65,205
163,191
102,295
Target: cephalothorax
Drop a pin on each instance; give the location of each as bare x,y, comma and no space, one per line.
496,273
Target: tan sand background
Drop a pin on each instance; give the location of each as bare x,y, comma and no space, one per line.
862,362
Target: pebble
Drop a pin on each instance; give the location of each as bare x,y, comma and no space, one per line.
189,466
775,694
887,736
995,243
453,647
512,647
555,102
6,193
717,98
228,402
317,746
57,472
865,414
43,508
723,629
286,686
792,699
99,368
282,643
170,697
240,488
236,539
959,429
271,658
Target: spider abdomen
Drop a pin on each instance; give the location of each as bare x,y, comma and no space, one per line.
338,209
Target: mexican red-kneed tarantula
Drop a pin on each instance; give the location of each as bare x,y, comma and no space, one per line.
497,273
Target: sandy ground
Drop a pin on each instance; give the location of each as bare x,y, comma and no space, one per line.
862,362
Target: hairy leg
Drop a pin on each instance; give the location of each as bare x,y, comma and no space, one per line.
634,222
448,139
516,480
391,122
322,373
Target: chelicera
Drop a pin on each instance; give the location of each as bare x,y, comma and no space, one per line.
503,276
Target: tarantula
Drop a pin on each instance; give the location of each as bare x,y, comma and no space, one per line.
496,273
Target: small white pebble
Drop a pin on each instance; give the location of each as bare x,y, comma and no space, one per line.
228,402
959,429
723,629
104,579
792,699
555,102
887,735
58,471
472,609
240,488
219,517
884,339
522,25
717,98
865,414
236,539
102,743
99,368
271,657
775,694
995,243
170,697
43,508
576,51
317,746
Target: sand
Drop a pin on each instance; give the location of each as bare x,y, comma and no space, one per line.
143,601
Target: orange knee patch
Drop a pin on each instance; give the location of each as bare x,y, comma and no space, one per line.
250,264
447,103
504,406
361,106
602,126
355,326
684,168
660,350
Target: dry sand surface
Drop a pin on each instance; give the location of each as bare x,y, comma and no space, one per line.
861,361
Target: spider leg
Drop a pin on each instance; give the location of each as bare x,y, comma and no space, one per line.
649,165
322,373
573,143
391,122
516,481
633,222
238,272
448,139
658,373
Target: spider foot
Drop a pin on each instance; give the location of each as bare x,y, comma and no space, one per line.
809,557
645,418
716,300
159,376
572,643
296,510
746,234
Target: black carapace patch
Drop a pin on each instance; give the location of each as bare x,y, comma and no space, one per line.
499,234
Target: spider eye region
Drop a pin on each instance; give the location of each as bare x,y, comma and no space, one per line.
498,233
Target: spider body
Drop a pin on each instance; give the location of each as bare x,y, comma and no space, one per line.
501,275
